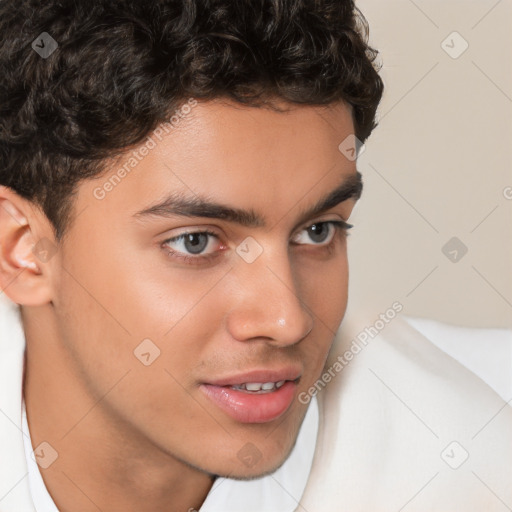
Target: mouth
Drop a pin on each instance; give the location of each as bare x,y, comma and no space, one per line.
258,387
255,397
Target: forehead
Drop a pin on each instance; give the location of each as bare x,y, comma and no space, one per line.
245,156
228,132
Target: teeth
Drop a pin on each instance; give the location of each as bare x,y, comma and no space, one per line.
253,386
259,387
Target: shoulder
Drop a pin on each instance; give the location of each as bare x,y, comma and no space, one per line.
402,422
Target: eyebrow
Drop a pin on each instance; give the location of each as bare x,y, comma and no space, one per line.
178,204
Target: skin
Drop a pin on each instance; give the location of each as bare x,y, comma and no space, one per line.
132,437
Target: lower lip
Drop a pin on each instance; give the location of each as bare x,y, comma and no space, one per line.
251,407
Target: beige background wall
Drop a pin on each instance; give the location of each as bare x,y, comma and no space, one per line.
439,164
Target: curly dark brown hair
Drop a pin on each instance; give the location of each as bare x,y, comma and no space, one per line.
122,67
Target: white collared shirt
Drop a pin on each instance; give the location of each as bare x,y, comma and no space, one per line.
280,491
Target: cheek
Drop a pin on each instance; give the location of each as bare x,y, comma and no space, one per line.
131,290
110,317
325,292
324,289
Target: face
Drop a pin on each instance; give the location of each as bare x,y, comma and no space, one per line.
212,321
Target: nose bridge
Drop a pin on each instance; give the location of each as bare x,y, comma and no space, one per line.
269,305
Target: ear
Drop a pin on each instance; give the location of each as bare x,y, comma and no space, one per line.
27,245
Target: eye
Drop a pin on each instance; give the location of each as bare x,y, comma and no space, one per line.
191,245
196,247
322,233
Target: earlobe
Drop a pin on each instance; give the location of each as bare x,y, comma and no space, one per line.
23,277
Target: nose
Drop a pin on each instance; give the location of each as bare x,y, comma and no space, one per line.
268,304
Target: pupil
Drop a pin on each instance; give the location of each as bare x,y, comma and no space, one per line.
196,242
319,231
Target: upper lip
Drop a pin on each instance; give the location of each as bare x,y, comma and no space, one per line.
261,376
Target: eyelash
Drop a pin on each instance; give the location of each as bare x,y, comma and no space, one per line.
341,228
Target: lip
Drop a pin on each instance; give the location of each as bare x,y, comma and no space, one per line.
251,407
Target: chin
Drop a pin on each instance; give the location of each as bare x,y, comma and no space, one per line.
255,474
252,464
261,452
